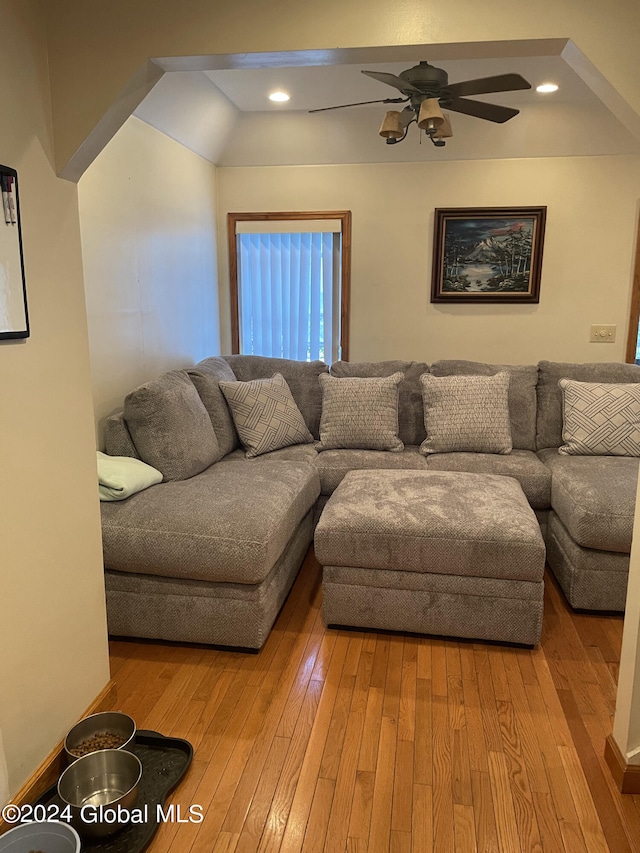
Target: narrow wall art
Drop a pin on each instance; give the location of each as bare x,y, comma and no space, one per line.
14,319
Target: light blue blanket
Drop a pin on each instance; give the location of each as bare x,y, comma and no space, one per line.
121,476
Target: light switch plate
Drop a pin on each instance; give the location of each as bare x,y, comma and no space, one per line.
602,334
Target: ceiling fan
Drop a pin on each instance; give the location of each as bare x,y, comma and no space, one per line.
426,90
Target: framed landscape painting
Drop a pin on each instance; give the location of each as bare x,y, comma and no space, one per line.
488,254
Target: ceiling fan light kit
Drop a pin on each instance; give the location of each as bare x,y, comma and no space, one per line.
444,131
426,90
391,127
430,117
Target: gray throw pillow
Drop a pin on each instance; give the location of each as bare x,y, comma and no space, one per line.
600,419
265,414
170,426
466,413
360,413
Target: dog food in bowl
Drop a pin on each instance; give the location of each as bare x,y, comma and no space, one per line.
102,740
105,730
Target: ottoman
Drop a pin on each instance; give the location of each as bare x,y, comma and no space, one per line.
432,552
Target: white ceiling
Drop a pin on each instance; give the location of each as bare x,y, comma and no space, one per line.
323,86
225,115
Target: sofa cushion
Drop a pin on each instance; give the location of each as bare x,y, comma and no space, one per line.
170,426
523,465
522,393
600,419
410,410
334,464
549,413
466,413
594,497
229,524
265,414
301,377
360,413
206,376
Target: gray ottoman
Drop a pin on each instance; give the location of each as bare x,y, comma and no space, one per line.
432,552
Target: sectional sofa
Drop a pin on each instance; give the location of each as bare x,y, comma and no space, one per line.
209,554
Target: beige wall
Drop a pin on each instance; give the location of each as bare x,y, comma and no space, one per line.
147,213
587,264
52,621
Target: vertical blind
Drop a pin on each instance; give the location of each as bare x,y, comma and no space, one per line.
289,294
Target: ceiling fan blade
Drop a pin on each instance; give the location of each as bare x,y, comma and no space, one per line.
392,80
361,104
487,85
480,109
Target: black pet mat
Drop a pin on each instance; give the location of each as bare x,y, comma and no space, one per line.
164,762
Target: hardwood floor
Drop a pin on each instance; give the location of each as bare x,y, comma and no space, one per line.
346,740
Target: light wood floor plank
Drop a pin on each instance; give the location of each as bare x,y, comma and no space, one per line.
407,714
278,818
506,824
484,812
310,760
403,787
442,772
346,780
316,831
362,803
547,819
381,807
473,713
400,842
587,815
464,829
371,733
391,703
258,811
423,753
527,730
421,820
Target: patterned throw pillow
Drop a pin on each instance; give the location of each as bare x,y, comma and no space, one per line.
466,413
600,419
360,413
265,414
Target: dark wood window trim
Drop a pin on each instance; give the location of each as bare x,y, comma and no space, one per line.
634,318
345,286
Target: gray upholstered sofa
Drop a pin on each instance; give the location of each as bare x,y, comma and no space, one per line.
211,557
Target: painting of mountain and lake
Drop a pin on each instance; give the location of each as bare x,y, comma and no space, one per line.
488,254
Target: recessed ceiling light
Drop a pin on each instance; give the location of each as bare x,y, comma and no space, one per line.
279,97
547,87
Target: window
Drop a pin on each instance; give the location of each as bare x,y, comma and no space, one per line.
289,276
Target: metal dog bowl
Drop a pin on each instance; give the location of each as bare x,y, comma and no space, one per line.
106,723
101,788
50,835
